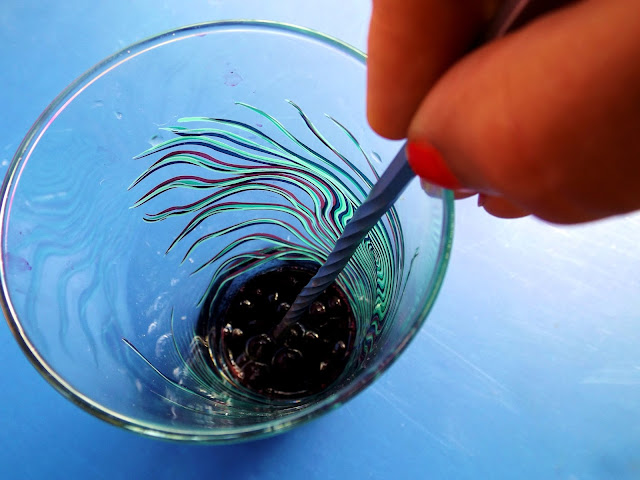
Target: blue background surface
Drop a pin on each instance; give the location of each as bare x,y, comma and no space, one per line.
528,368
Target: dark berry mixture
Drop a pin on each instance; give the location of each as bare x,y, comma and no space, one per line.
307,357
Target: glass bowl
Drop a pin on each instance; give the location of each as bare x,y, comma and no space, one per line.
165,170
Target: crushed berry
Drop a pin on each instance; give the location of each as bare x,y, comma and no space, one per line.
306,358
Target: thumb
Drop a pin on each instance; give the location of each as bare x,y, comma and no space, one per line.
548,117
411,43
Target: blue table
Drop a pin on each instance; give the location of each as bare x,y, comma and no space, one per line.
528,368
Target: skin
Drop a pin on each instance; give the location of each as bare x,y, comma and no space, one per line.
545,120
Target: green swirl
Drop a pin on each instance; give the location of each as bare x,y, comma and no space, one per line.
274,200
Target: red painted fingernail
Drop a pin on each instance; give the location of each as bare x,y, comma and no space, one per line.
428,164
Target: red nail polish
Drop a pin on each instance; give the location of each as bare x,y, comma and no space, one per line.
428,164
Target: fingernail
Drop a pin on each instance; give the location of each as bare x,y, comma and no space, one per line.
425,160
434,191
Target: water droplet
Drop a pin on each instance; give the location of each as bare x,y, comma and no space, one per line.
156,140
232,78
163,345
16,263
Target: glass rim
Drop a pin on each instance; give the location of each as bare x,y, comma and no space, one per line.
219,435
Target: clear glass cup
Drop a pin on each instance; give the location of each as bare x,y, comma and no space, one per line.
154,176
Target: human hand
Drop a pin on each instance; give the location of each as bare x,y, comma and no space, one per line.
545,120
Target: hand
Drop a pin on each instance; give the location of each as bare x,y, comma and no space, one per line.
545,120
